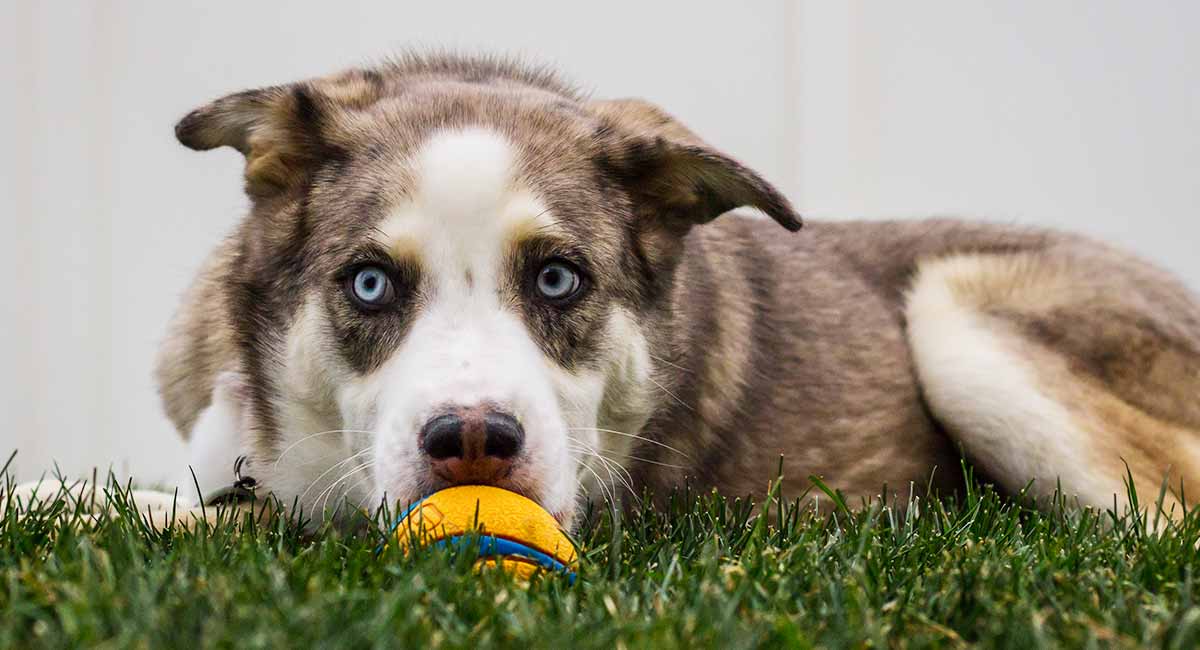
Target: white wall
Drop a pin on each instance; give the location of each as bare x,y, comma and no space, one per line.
112,216
1082,116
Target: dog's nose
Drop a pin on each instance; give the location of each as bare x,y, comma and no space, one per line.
472,445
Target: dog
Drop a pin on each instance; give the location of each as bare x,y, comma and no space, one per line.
461,270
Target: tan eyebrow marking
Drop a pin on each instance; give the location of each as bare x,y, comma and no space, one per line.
525,218
403,248
530,228
395,234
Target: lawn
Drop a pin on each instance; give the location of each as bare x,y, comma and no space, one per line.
702,572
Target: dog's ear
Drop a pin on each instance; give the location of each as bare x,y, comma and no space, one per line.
281,130
277,130
672,174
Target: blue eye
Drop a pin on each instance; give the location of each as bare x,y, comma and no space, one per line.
558,281
372,288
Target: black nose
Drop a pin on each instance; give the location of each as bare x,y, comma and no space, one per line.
443,437
472,434
503,435
472,446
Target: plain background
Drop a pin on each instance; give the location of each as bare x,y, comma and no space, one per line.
1082,115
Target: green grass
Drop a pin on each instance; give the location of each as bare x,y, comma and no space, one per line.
701,572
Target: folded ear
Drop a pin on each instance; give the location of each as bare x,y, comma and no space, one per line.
673,174
272,127
282,130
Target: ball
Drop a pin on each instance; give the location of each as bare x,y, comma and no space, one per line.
512,531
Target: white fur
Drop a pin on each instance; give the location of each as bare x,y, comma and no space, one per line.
625,407
990,398
215,443
325,424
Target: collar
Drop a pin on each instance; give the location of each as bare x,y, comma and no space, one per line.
240,491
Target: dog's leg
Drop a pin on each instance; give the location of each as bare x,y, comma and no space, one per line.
213,448
159,510
1007,347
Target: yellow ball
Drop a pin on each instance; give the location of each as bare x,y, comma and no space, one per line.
512,531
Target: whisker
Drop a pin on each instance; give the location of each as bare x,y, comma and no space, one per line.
673,395
621,475
314,435
346,492
664,361
328,492
330,469
599,454
587,468
609,465
654,462
645,460
607,488
600,482
631,435
352,488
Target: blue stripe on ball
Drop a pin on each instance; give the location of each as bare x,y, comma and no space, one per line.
499,547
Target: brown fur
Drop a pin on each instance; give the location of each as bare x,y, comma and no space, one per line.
765,345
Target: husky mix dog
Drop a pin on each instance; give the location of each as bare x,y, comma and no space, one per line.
461,270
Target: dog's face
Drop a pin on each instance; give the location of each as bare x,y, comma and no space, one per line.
456,267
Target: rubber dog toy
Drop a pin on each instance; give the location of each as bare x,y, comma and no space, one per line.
512,531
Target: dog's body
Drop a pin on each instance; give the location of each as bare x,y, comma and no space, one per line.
466,191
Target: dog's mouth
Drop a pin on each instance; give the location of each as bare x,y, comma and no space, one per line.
565,517
519,482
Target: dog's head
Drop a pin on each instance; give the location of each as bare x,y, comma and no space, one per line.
456,266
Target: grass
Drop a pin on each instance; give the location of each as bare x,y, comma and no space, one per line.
701,571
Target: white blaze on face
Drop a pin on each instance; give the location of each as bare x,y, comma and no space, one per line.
467,344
